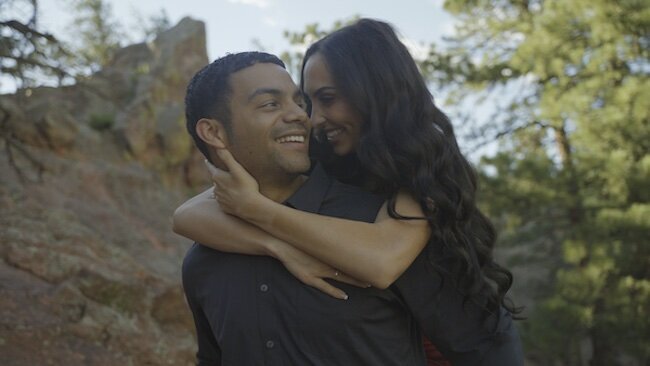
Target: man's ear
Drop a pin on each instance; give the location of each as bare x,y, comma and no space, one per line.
212,132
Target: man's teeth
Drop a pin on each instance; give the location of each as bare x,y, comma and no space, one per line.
333,133
296,138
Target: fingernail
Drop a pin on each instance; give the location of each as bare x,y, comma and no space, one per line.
345,297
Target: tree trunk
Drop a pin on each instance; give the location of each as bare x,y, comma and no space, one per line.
574,213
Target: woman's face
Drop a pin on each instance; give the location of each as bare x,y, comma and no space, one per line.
331,114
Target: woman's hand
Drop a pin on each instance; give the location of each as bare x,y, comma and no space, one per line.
313,272
235,189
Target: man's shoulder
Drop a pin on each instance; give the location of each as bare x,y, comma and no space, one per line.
351,202
198,256
355,193
340,189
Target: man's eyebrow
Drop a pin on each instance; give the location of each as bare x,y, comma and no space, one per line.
261,91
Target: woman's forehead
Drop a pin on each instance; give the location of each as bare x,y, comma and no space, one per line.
316,74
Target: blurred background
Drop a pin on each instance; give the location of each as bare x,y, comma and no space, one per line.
550,99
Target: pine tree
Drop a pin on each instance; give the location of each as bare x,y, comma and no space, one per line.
98,35
570,80
28,54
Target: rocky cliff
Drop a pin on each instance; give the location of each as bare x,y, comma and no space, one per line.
91,174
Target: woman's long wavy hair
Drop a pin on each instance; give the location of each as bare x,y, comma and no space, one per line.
408,143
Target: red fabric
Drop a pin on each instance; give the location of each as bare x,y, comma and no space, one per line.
434,357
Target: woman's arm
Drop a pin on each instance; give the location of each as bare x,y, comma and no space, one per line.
374,252
202,220
377,253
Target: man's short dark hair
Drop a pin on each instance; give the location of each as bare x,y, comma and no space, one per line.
208,93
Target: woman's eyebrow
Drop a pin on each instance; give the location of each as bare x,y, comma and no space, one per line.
322,90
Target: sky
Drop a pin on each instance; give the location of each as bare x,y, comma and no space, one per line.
232,25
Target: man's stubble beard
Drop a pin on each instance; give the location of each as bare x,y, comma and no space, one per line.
291,164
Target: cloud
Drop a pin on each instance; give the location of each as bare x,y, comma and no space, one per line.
271,22
262,4
418,50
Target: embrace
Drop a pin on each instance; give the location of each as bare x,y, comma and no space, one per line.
343,227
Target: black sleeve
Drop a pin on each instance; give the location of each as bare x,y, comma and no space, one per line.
457,328
209,353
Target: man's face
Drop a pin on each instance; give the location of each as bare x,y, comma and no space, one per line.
270,128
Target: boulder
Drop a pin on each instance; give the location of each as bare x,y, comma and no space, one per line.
92,172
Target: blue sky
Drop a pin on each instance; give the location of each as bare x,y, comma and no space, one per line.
243,25
233,24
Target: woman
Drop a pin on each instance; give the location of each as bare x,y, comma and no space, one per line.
373,112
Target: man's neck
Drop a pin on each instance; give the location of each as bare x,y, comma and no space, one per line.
279,190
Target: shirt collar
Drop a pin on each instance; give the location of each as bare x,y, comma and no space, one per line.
311,194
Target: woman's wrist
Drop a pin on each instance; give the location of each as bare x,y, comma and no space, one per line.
255,209
251,209
277,249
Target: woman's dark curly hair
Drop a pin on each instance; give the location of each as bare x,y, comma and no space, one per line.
408,143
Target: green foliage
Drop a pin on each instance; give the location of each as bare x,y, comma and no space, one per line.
573,160
101,121
27,53
34,57
98,34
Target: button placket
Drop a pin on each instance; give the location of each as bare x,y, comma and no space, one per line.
270,341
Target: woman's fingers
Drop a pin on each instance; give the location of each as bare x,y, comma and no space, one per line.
211,168
215,173
342,277
325,287
235,178
231,164
229,161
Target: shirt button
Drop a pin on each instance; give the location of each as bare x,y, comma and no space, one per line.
264,287
270,344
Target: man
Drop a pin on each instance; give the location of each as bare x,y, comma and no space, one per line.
249,310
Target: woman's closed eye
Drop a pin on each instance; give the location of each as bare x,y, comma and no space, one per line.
326,99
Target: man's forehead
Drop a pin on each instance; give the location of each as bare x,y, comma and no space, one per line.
261,76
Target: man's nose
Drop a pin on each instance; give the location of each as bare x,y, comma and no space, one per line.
297,114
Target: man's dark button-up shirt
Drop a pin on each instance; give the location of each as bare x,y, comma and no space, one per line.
249,310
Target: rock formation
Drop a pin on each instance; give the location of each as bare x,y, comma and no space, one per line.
91,174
